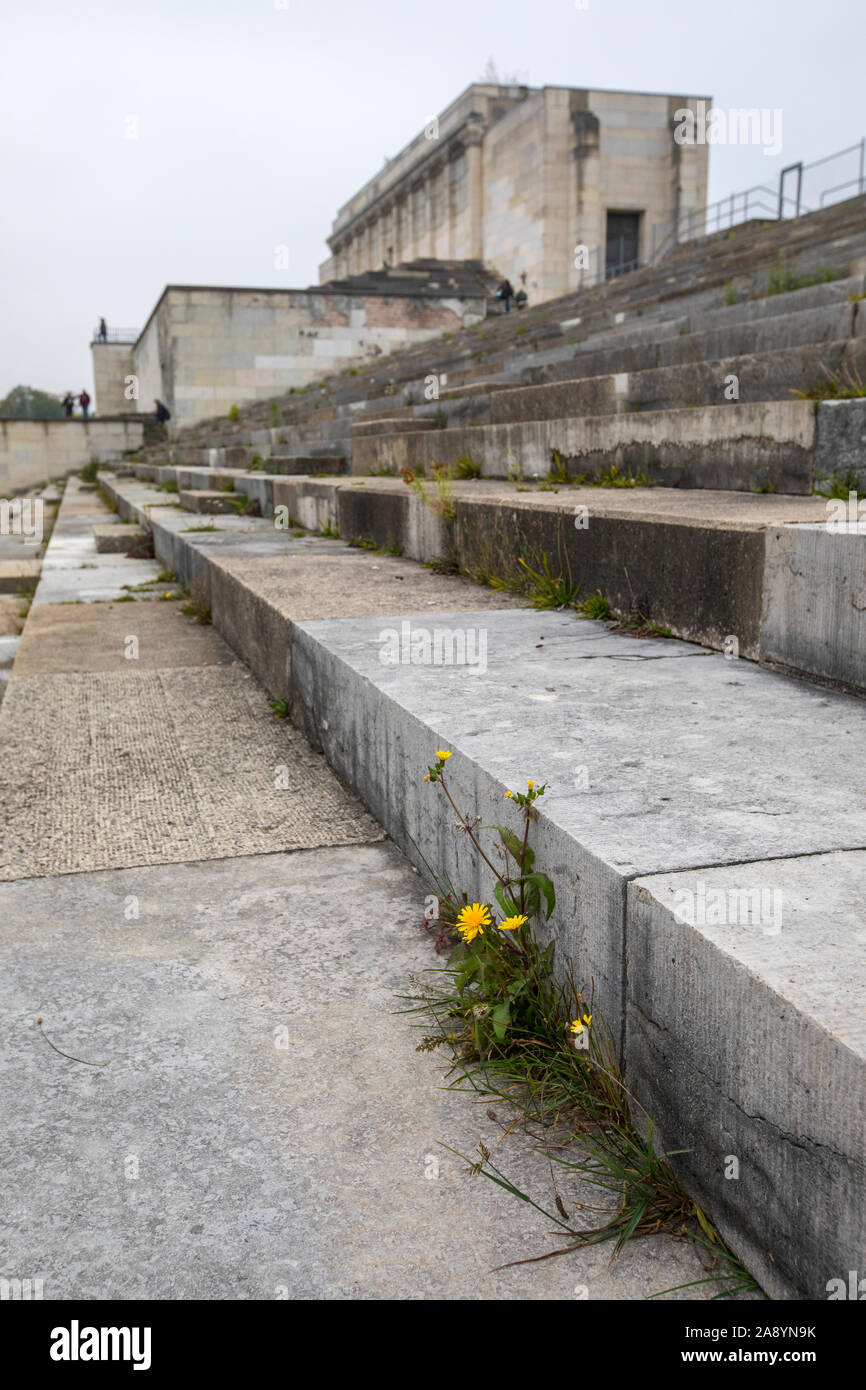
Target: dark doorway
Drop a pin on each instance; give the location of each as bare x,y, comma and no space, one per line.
623,241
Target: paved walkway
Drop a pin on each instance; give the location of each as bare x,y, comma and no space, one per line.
241,1113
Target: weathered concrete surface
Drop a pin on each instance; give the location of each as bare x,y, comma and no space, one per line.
117,540
842,437
87,637
760,1018
211,502
159,766
263,1127
760,377
644,722
280,462
72,571
738,447
814,607
11,621
693,561
111,757
654,754
18,575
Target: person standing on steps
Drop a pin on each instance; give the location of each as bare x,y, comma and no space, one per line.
68,404
162,412
84,402
506,294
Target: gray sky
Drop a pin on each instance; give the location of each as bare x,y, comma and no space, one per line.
256,122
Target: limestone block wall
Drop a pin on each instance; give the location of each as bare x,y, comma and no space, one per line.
32,451
112,365
204,350
641,168
519,177
514,201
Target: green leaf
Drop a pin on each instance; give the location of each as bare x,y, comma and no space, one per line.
508,905
514,845
500,1017
548,890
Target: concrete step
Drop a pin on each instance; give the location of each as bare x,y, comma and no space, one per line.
18,576
111,539
734,447
773,578
759,377
294,464
213,503
709,885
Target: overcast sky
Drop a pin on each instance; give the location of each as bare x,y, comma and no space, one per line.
257,119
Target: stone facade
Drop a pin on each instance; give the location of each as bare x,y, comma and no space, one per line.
32,451
112,368
206,349
518,178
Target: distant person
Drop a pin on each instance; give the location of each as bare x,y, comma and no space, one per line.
506,294
520,299
84,402
68,404
162,412
103,331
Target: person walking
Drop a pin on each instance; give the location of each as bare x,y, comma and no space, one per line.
84,402
68,404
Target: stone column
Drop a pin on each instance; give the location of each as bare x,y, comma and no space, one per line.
430,187
399,229
454,155
473,139
368,245
414,197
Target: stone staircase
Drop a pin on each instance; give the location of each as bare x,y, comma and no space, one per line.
675,766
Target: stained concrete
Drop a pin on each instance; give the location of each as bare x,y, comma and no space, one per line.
158,766
263,1127
109,727
759,1014
240,1113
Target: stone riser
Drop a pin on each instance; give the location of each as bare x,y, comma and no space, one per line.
792,596
728,1034
740,447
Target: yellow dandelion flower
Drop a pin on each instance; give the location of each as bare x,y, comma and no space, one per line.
508,796
577,1026
512,923
471,921
440,753
531,786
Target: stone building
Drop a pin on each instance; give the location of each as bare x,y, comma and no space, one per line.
205,349
520,177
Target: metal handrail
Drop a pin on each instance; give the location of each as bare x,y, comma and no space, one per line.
116,335
688,221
